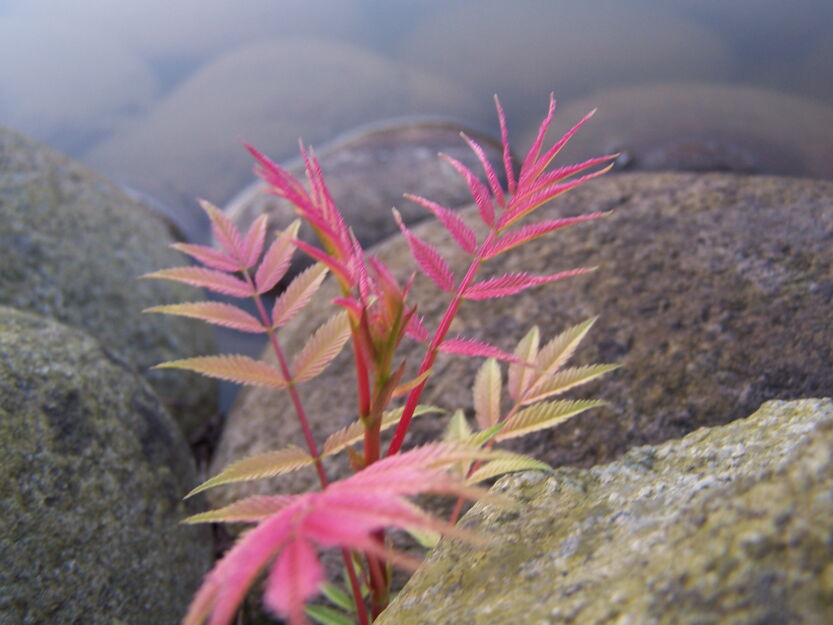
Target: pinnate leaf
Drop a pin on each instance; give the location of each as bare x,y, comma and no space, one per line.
321,348
297,294
206,278
521,376
531,232
354,432
544,415
478,190
507,464
429,259
218,313
464,235
565,380
491,176
473,347
253,243
233,368
487,386
512,283
554,354
208,256
248,510
225,232
507,152
264,465
277,258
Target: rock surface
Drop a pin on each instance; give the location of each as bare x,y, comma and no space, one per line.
71,248
728,525
702,127
91,482
368,172
714,293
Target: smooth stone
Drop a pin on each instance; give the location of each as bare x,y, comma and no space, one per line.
72,246
714,293
728,525
367,173
525,51
267,94
702,127
91,484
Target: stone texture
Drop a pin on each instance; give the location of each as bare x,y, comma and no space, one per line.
268,93
367,173
92,476
728,526
714,293
71,248
702,127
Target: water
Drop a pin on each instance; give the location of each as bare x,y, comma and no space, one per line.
158,94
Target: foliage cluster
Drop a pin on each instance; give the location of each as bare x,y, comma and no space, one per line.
374,315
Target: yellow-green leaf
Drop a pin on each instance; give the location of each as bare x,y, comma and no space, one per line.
234,368
457,430
507,464
256,467
218,313
487,385
298,294
248,510
544,415
520,376
559,350
564,380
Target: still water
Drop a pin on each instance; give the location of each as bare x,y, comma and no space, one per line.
158,94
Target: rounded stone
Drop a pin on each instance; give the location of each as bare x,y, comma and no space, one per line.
702,127
72,246
268,94
91,485
713,291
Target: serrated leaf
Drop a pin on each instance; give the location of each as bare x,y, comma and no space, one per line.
248,510
218,313
269,464
477,189
478,439
354,432
277,259
225,232
457,430
233,368
520,376
507,464
464,235
531,232
554,354
491,176
337,596
210,279
407,387
512,283
253,242
486,393
544,415
328,616
429,259
564,380
297,294
473,347
208,256
321,348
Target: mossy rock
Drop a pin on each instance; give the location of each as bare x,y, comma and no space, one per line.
91,485
728,525
72,246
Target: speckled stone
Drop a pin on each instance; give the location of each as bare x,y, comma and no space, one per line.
730,525
72,246
714,292
92,476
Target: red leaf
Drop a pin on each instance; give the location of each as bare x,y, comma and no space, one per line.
491,177
206,278
472,347
533,231
416,330
429,260
208,256
478,190
253,243
464,235
512,283
534,150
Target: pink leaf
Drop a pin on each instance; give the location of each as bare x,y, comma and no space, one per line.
282,182
535,169
507,154
224,231
511,283
491,176
218,313
532,155
429,260
321,348
234,368
208,256
478,190
277,258
472,347
416,330
294,578
558,175
464,235
206,278
253,243
533,231
341,271
297,294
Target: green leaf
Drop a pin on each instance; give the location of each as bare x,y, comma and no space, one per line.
338,597
478,439
544,415
328,616
487,393
425,538
248,510
559,350
507,464
457,430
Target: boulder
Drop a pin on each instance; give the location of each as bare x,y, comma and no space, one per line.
714,292
71,248
702,127
730,524
269,94
91,485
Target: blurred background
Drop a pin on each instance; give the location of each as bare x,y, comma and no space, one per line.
158,94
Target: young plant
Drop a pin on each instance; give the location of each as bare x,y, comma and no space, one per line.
353,514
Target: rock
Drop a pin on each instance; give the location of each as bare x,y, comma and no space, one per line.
91,485
367,173
728,525
709,300
524,52
702,127
71,248
268,94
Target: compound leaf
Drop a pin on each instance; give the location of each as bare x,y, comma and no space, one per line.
544,415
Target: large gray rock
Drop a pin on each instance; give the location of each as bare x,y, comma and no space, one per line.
92,477
71,248
728,526
714,293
